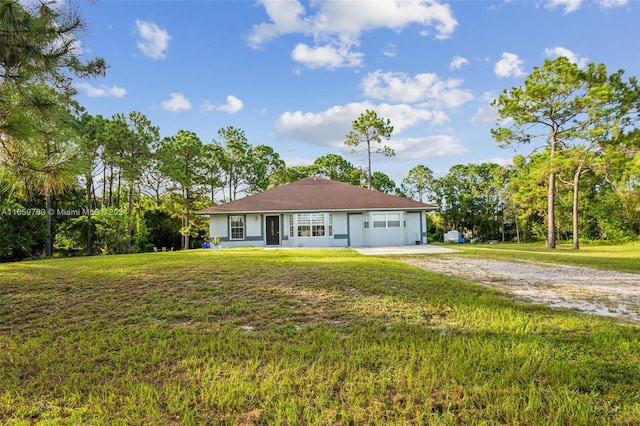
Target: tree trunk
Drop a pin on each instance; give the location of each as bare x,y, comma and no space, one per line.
551,196
576,233
551,214
118,189
49,214
110,186
369,161
89,192
129,214
188,207
104,186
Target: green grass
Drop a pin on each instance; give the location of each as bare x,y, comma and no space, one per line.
624,258
297,337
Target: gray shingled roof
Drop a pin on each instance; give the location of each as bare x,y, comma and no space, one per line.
317,194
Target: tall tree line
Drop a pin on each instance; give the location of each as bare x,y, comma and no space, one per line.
580,116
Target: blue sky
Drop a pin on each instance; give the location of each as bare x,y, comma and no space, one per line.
294,75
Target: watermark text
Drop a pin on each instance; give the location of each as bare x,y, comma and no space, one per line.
62,212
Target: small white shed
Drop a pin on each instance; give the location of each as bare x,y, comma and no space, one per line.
452,237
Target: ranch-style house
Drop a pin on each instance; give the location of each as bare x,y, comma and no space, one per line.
319,212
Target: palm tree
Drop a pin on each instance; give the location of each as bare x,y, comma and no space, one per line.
46,161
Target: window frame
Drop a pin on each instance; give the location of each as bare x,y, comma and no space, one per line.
243,227
311,225
391,220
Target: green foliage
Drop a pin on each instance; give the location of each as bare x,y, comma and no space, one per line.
370,129
579,114
37,58
182,158
233,154
289,174
436,227
39,43
471,199
70,236
22,230
111,231
419,182
335,167
156,227
383,183
264,163
129,139
47,162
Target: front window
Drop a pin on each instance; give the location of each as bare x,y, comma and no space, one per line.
379,220
311,225
304,225
236,224
393,220
386,220
317,225
291,230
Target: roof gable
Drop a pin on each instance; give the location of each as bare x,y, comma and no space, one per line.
317,194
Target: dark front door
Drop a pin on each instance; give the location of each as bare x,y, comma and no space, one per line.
273,230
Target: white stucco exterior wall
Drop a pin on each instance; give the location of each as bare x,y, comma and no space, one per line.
412,228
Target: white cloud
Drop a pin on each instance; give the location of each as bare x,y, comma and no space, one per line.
485,115
612,3
232,106
557,51
102,91
509,66
154,40
390,50
426,147
354,17
458,62
573,5
326,56
286,18
336,25
176,103
424,87
297,161
329,128
569,5
338,18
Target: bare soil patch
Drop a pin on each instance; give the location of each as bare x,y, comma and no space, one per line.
593,291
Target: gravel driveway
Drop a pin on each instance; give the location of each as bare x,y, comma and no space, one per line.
593,291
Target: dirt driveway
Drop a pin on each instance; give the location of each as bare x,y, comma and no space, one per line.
593,291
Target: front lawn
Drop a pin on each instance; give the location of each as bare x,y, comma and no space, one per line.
296,337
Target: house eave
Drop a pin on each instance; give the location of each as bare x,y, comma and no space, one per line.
332,210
